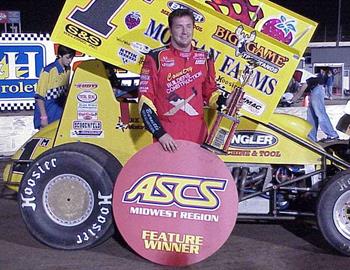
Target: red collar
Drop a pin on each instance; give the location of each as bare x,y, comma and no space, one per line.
181,53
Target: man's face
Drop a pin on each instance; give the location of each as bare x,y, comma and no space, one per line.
182,32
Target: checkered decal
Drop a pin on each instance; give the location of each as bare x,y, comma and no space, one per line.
24,37
16,105
56,92
121,125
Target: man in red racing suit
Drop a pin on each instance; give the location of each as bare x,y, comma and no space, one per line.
174,86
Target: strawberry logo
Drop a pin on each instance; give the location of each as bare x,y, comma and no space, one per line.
280,29
132,20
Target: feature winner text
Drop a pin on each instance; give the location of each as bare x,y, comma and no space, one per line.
173,242
173,214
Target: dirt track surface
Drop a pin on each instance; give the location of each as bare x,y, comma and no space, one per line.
257,246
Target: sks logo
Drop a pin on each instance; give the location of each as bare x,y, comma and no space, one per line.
247,48
20,66
183,191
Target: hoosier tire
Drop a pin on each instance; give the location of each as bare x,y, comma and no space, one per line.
66,196
333,212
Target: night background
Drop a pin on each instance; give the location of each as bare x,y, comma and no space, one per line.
39,16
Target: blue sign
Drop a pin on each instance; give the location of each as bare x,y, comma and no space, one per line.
14,16
20,67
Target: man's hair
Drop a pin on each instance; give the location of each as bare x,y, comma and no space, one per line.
62,50
180,12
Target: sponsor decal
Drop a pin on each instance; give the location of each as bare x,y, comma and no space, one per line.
144,82
82,35
201,55
281,28
143,89
125,42
158,31
145,71
134,123
255,153
253,139
86,115
92,125
20,67
181,81
173,76
127,56
248,49
199,62
87,133
253,105
86,85
87,96
81,128
261,82
144,77
166,62
91,107
132,19
140,47
198,17
44,142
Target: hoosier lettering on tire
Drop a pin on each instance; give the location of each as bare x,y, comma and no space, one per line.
333,212
66,197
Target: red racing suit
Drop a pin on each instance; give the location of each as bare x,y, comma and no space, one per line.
174,87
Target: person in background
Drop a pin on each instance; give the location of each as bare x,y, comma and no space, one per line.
329,84
51,91
176,82
317,116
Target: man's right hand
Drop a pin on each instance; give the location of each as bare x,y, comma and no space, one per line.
168,143
43,122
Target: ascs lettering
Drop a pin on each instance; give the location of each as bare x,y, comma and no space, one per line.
184,191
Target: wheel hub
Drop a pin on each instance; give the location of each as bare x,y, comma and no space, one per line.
68,200
341,214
